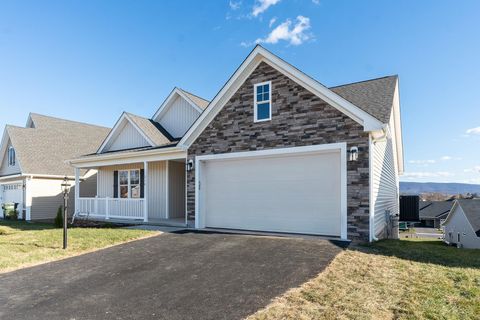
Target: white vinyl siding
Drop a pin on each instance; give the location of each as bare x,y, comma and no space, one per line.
46,196
178,118
176,191
6,169
127,138
384,185
458,224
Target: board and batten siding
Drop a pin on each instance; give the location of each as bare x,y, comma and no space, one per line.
178,118
156,188
5,169
384,185
176,191
128,138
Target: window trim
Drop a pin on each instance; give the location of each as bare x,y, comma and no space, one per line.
255,103
11,156
129,184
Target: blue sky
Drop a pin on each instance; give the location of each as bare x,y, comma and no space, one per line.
90,60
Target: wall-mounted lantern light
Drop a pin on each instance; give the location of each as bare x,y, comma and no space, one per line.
353,154
189,165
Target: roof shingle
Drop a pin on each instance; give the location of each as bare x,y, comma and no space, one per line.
372,96
44,149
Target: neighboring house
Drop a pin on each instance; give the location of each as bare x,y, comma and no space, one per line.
33,163
275,150
462,226
432,213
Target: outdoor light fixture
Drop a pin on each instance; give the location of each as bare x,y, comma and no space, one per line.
189,165
353,154
65,190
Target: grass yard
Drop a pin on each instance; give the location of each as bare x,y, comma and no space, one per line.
24,244
408,279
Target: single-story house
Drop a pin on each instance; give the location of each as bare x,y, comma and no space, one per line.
462,226
275,150
432,213
33,166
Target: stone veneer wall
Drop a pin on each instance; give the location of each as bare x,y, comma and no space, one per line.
299,118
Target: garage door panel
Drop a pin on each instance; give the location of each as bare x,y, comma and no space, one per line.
294,193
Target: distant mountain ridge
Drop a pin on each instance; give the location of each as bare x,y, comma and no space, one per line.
447,188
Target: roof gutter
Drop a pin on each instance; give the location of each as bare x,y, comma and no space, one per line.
125,155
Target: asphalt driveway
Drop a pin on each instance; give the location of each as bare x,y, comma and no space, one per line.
170,276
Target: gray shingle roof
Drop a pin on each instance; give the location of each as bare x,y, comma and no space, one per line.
200,102
373,96
153,130
44,149
434,209
471,208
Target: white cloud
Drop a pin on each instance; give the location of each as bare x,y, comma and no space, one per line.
262,5
474,169
316,1
235,5
447,158
473,131
422,161
295,34
426,174
272,21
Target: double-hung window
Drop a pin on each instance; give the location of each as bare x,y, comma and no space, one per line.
129,183
11,157
263,101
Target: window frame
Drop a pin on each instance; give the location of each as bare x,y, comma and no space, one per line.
11,157
129,184
256,103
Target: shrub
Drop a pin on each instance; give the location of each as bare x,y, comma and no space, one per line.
59,218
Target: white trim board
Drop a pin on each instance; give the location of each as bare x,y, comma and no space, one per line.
115,131
258,55
169,101
341,147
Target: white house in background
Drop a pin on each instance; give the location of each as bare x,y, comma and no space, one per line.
275,151
462,226
33,166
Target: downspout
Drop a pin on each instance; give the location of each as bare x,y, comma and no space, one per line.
371,202
371,144
385,133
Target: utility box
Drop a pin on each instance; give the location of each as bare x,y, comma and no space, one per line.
409,208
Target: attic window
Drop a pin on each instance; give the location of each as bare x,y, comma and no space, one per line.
11,157
263,101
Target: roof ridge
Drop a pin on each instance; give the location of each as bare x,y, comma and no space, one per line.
193,94
363,81
67,120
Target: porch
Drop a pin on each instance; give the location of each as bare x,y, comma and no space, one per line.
148,192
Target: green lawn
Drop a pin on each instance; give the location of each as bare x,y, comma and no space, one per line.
403,279
24,244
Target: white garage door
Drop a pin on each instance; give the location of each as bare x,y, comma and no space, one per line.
294,192
12,192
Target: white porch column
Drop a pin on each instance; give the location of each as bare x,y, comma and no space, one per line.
77,188
145,191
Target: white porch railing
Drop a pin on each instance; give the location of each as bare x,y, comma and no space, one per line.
111,208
